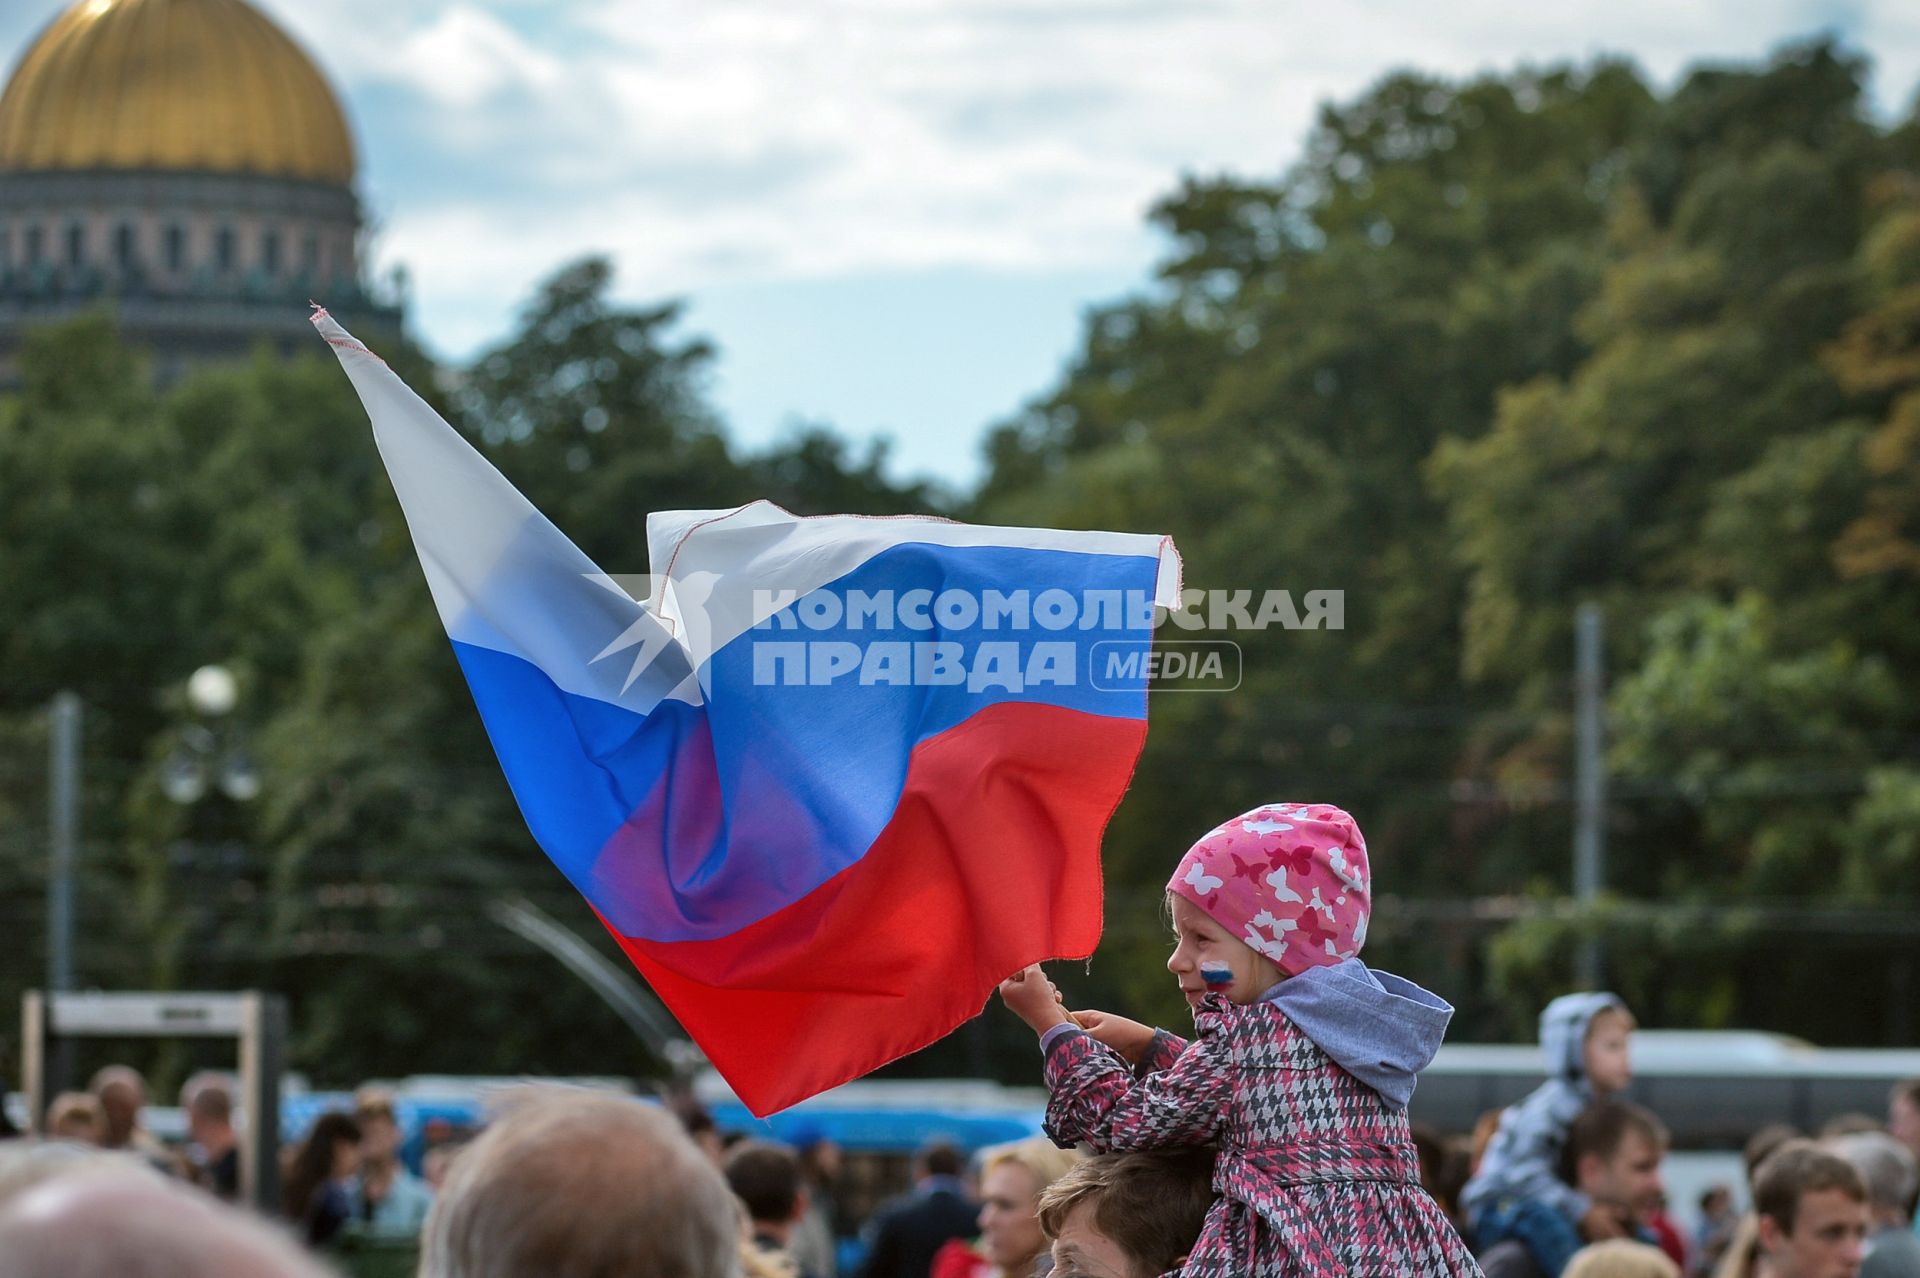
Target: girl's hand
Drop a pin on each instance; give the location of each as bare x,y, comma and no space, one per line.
1129,1038
1031,996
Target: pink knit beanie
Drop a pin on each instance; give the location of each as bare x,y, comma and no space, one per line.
1289,879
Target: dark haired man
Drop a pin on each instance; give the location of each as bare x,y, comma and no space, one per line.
1612,1156
1812,1207
766,1178
207,1098
906,1232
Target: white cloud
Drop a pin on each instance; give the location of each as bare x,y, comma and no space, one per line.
709,142
467,57
718,147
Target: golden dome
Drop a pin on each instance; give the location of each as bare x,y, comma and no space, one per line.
179,85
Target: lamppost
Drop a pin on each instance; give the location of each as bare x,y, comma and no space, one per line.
63,813
209,750
63,822
206,869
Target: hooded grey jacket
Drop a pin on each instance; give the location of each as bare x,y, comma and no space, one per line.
1521,1158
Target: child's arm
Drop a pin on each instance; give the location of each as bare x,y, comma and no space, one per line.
1162,1052
1032,997
1094,1097
1147,1049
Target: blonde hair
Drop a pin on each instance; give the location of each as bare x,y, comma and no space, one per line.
77,1109
1741,1259
1621,1258
755,1263
375,1103
1045,1161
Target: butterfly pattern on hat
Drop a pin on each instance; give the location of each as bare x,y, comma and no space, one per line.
1290,880
1200,881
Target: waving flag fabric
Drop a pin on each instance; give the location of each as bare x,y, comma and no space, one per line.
834,777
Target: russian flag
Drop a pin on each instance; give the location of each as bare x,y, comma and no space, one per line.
833,779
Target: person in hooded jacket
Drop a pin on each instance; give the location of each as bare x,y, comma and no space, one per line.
1584,1038
1300,1069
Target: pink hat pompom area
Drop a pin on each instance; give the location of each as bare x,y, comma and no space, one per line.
1289,879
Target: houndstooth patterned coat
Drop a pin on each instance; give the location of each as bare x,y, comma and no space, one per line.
1317,1174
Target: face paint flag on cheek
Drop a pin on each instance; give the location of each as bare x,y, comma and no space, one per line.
1215,978
806,828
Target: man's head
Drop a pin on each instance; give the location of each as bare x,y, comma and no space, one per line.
122,1094
819,1157
1903,1114
26,1162
585,1185
1613,1154
765,1177
1128,1215
939,1159
76,1116
1813,1212
118,1220
208,1099
700,1127
373,1109
1887,1170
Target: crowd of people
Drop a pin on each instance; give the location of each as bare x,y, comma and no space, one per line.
563,1181
572,1182
344,1179
1275,1142
1568,1181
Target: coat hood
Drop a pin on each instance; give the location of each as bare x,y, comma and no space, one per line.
1378,1027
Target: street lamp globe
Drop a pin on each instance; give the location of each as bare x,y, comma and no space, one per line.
239,779
212,691
182,779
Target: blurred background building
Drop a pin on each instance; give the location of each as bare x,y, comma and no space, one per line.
186,164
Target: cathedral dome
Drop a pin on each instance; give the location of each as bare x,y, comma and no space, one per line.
203,86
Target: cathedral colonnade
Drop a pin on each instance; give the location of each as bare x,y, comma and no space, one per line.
185,164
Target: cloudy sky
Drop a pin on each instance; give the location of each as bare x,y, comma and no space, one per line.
891,214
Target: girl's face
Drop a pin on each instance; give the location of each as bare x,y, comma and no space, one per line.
1207,957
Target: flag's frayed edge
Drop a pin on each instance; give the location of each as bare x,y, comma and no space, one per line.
346,341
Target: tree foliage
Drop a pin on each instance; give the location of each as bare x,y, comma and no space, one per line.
243,517
1490,349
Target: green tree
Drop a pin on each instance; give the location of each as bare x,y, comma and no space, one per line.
243,517
1490,350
